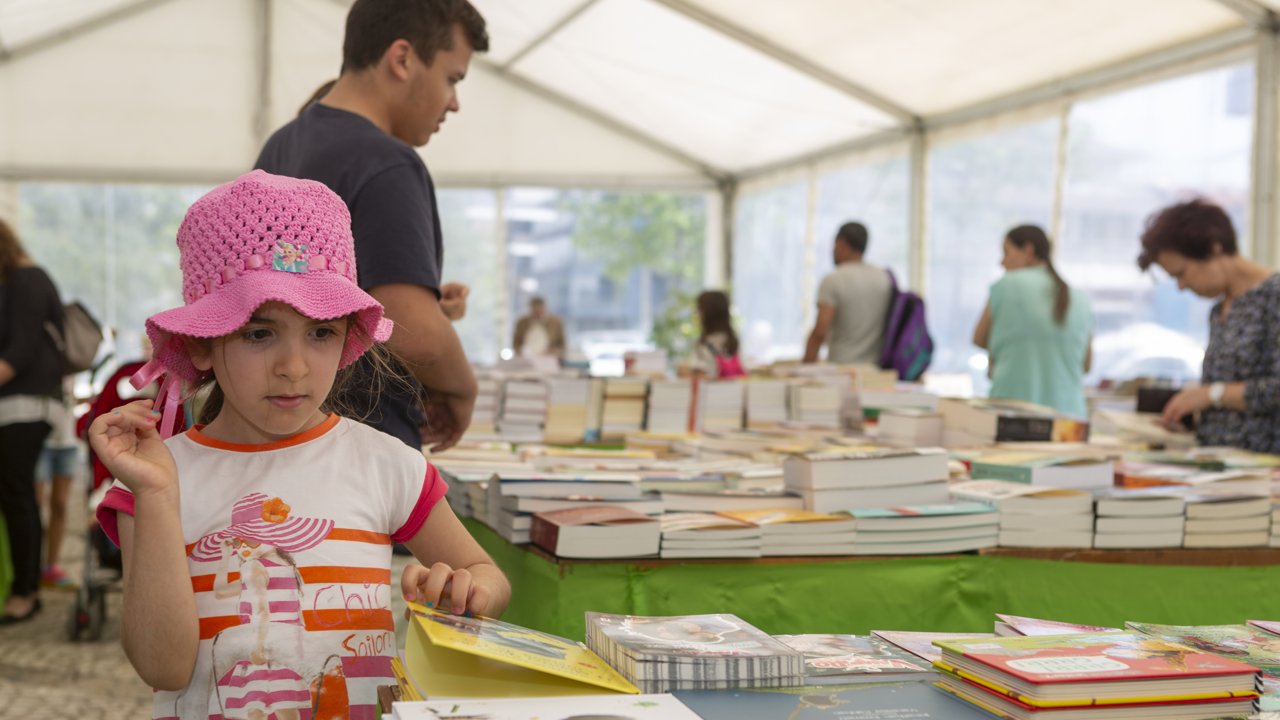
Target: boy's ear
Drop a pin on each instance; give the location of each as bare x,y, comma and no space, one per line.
200,350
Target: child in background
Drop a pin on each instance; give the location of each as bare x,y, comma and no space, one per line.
716,353
307,501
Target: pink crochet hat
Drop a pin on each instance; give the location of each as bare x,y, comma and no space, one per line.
256,239
265,520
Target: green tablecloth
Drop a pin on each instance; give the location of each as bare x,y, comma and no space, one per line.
942,593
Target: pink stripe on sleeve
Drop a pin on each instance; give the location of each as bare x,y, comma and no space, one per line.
117,500
433,488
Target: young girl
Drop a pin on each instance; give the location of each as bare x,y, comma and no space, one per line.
716,354
306,502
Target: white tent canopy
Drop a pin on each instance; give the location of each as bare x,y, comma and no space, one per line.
665,93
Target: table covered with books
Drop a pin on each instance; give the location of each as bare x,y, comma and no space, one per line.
944,592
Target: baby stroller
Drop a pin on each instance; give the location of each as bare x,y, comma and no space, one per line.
103,564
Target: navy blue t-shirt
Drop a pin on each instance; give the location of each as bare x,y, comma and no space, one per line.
394,220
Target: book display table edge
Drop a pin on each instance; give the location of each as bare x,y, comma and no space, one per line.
945,593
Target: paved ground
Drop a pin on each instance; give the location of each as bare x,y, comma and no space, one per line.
43,675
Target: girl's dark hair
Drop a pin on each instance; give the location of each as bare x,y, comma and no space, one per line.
1192,229
377,368
713,311
1032,235
11,251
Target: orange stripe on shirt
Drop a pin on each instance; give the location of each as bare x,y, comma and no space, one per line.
345,534
318,574
315,621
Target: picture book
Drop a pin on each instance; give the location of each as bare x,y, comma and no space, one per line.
1090,668
456,656
1245,643
1012,708
846,658
867,701
921,644
612,707
1036,626
1271,626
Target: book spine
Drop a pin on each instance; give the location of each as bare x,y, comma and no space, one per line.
1023,429
544,534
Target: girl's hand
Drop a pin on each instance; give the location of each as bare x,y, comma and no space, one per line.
128,443
446,589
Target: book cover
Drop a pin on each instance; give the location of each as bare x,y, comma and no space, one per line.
1087,660
455,656
841,658
1036,626
867,701
1271,626
610,707
595,531
921,644
685,636
1246,643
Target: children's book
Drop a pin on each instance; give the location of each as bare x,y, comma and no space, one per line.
867,701
456,656
1270,626
1095,668
921,644
1245,643
604,707
1035,626
851,658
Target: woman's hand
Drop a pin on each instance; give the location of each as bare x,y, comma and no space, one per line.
1186,402
442,587
129,444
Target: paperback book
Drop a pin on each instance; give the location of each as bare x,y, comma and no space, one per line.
835,659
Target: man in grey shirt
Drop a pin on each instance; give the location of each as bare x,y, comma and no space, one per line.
853,301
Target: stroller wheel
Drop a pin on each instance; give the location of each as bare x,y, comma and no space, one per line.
96,613
77,619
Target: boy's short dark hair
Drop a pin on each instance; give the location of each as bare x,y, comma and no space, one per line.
1191,229
854,234
372,25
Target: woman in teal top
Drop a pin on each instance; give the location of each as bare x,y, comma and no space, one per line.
1036,329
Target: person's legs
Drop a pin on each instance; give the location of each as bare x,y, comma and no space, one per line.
20,445
54,477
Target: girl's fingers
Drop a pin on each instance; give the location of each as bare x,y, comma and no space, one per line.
460,591
410,579
434,588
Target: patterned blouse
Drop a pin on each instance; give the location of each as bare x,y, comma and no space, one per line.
1246,348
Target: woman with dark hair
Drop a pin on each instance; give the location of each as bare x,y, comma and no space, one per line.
1035,328
716,354
1239,393
30,403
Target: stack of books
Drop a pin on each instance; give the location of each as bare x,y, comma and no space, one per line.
602,531
669,405
1275,522
844,659
1254,481
800,532
1139,518
1033,516
718,406
875,402
708,535
1043,469
910,427
1227,521
693,652
567,399
623,408
818,404
484,417
766,403
979,421
507,517
524,409
835,480
1095,675
730,499
925,529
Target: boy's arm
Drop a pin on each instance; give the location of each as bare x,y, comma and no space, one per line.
454,568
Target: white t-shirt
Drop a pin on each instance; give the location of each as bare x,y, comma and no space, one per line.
311,624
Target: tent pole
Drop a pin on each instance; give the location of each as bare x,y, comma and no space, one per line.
1262,216
262,104
917,208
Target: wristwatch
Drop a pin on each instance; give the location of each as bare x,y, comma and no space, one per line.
1216,391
